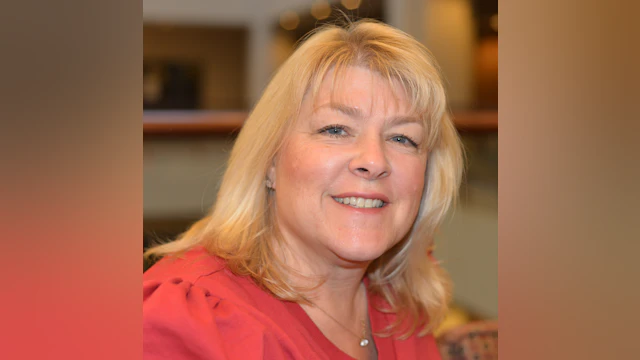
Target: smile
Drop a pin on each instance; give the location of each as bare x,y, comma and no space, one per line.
358,202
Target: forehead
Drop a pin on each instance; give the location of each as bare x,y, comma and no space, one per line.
360,88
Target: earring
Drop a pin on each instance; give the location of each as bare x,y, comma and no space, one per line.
268,184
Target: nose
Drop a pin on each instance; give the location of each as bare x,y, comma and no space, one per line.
370,160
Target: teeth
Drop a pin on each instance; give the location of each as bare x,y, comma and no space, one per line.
360,202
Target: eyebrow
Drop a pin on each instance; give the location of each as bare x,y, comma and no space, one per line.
356,113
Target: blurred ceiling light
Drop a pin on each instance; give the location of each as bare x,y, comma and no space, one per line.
351,4
289,20
494,22
321,9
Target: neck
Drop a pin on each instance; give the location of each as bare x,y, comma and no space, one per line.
340,292
338,297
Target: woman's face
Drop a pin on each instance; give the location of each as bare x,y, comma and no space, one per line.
349,178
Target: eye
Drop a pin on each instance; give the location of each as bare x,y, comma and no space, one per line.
334,131
404,140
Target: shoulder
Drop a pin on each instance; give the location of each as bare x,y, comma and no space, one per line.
194,308
199,272
188,266
172,281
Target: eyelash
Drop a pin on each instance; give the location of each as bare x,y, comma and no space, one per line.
327,128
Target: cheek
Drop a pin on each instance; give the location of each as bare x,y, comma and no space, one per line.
312,157
412,180
302,166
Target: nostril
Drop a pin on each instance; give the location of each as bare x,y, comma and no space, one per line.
363,169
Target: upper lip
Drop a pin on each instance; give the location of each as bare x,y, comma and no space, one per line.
363,195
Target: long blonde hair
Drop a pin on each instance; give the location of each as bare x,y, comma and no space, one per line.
240,227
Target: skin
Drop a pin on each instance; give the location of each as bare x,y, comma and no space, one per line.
365,142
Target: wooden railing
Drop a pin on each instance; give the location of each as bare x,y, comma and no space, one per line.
203,121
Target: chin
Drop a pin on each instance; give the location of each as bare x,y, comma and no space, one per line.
360,253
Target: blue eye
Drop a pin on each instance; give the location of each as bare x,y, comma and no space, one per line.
404,140
334,131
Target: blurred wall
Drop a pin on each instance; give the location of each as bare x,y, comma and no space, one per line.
447,28
468,247
449,33
257,16
200,46
182,175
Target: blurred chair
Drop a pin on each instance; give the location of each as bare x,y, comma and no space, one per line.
476,340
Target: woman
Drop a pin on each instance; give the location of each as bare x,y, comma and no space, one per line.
317,245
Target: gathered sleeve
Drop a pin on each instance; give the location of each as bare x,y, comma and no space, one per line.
184,321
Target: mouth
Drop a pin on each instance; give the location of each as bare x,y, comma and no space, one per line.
359,202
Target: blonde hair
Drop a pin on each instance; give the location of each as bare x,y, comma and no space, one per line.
240,228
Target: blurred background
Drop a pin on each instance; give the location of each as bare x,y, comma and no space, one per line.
207,61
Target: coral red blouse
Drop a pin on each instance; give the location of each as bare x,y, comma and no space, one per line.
195,308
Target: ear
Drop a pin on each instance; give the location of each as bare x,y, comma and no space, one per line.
271,174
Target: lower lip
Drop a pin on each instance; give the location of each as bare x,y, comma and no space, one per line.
371,210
